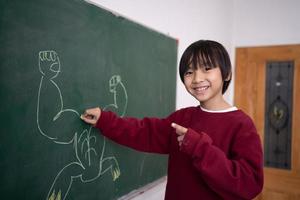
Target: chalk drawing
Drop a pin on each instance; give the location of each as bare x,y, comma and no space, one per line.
90,162
55,196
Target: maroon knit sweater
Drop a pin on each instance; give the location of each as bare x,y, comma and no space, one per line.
220,157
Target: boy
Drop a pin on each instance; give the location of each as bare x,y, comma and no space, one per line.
214,149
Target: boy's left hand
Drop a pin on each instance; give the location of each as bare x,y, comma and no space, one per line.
181,131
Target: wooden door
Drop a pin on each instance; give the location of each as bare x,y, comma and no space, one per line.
250,96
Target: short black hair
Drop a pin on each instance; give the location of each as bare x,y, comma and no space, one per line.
206,53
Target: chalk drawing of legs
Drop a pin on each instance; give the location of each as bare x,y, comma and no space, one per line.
63,127
119,106
108,163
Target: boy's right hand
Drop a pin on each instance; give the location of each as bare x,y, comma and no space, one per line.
91,116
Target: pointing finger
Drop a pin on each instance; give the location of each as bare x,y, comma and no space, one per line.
180,130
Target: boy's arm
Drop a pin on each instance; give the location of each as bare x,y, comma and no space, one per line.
238,177
147,134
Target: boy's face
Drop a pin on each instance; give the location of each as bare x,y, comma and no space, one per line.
205,84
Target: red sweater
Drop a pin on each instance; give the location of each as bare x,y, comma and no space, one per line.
220,157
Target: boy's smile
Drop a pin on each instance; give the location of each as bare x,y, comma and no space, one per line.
200,89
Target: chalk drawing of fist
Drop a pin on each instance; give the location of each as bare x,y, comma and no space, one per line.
49,64
114,82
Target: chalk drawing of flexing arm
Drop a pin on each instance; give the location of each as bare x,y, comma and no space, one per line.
117,88
63,126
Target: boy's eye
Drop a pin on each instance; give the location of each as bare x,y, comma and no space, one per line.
189,72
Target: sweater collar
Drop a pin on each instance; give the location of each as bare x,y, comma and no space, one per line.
233,108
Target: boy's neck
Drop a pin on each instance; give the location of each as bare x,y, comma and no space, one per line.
217,105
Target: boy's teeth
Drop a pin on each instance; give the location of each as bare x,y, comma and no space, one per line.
202,88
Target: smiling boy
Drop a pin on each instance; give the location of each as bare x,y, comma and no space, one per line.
214,149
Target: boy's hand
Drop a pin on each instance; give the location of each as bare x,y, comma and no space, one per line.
181,131
91,116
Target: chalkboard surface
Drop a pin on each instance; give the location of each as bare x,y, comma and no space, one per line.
57,58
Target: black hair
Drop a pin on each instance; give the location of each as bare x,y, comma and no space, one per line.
206,53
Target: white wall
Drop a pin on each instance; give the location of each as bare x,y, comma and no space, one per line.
187,21
266,22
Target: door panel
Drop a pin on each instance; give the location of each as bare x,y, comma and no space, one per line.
250,89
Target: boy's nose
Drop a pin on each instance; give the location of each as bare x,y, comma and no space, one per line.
198,76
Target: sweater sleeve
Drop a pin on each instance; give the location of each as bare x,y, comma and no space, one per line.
239,176
147,134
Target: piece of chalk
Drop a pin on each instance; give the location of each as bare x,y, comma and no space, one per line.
89,116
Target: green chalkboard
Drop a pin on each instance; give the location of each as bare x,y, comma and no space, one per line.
57,58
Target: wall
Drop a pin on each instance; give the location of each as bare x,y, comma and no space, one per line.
267,22
186,21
